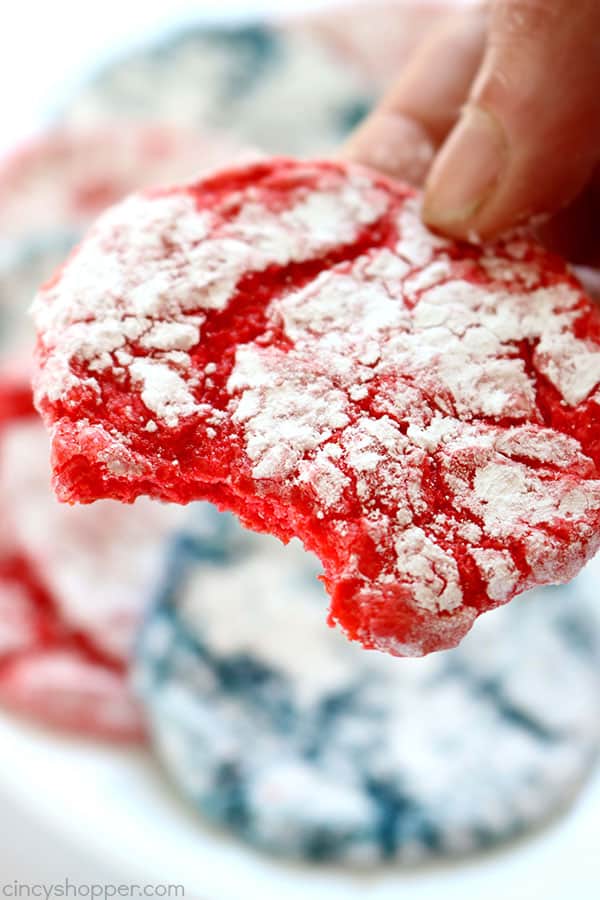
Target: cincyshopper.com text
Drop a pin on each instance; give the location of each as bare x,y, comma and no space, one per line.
20,890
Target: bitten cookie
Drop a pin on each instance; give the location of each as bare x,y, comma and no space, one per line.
288,341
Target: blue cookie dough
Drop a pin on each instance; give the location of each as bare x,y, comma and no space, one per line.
280,90
307,746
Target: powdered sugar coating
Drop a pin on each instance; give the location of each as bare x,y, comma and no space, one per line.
419,418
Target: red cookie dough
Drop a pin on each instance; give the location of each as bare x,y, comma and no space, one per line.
288,341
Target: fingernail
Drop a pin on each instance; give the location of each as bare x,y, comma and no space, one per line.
467,169
393,144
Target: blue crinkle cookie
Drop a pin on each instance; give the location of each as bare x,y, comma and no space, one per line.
279,89
307,746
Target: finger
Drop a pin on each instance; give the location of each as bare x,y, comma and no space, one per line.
401,135
529,135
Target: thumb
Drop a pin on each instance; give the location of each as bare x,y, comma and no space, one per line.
529,136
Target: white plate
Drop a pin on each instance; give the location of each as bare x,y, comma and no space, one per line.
113,805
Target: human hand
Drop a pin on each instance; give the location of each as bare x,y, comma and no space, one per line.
499,110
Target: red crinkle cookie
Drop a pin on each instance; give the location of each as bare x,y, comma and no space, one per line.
52,674
66,177
289,341
51,670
